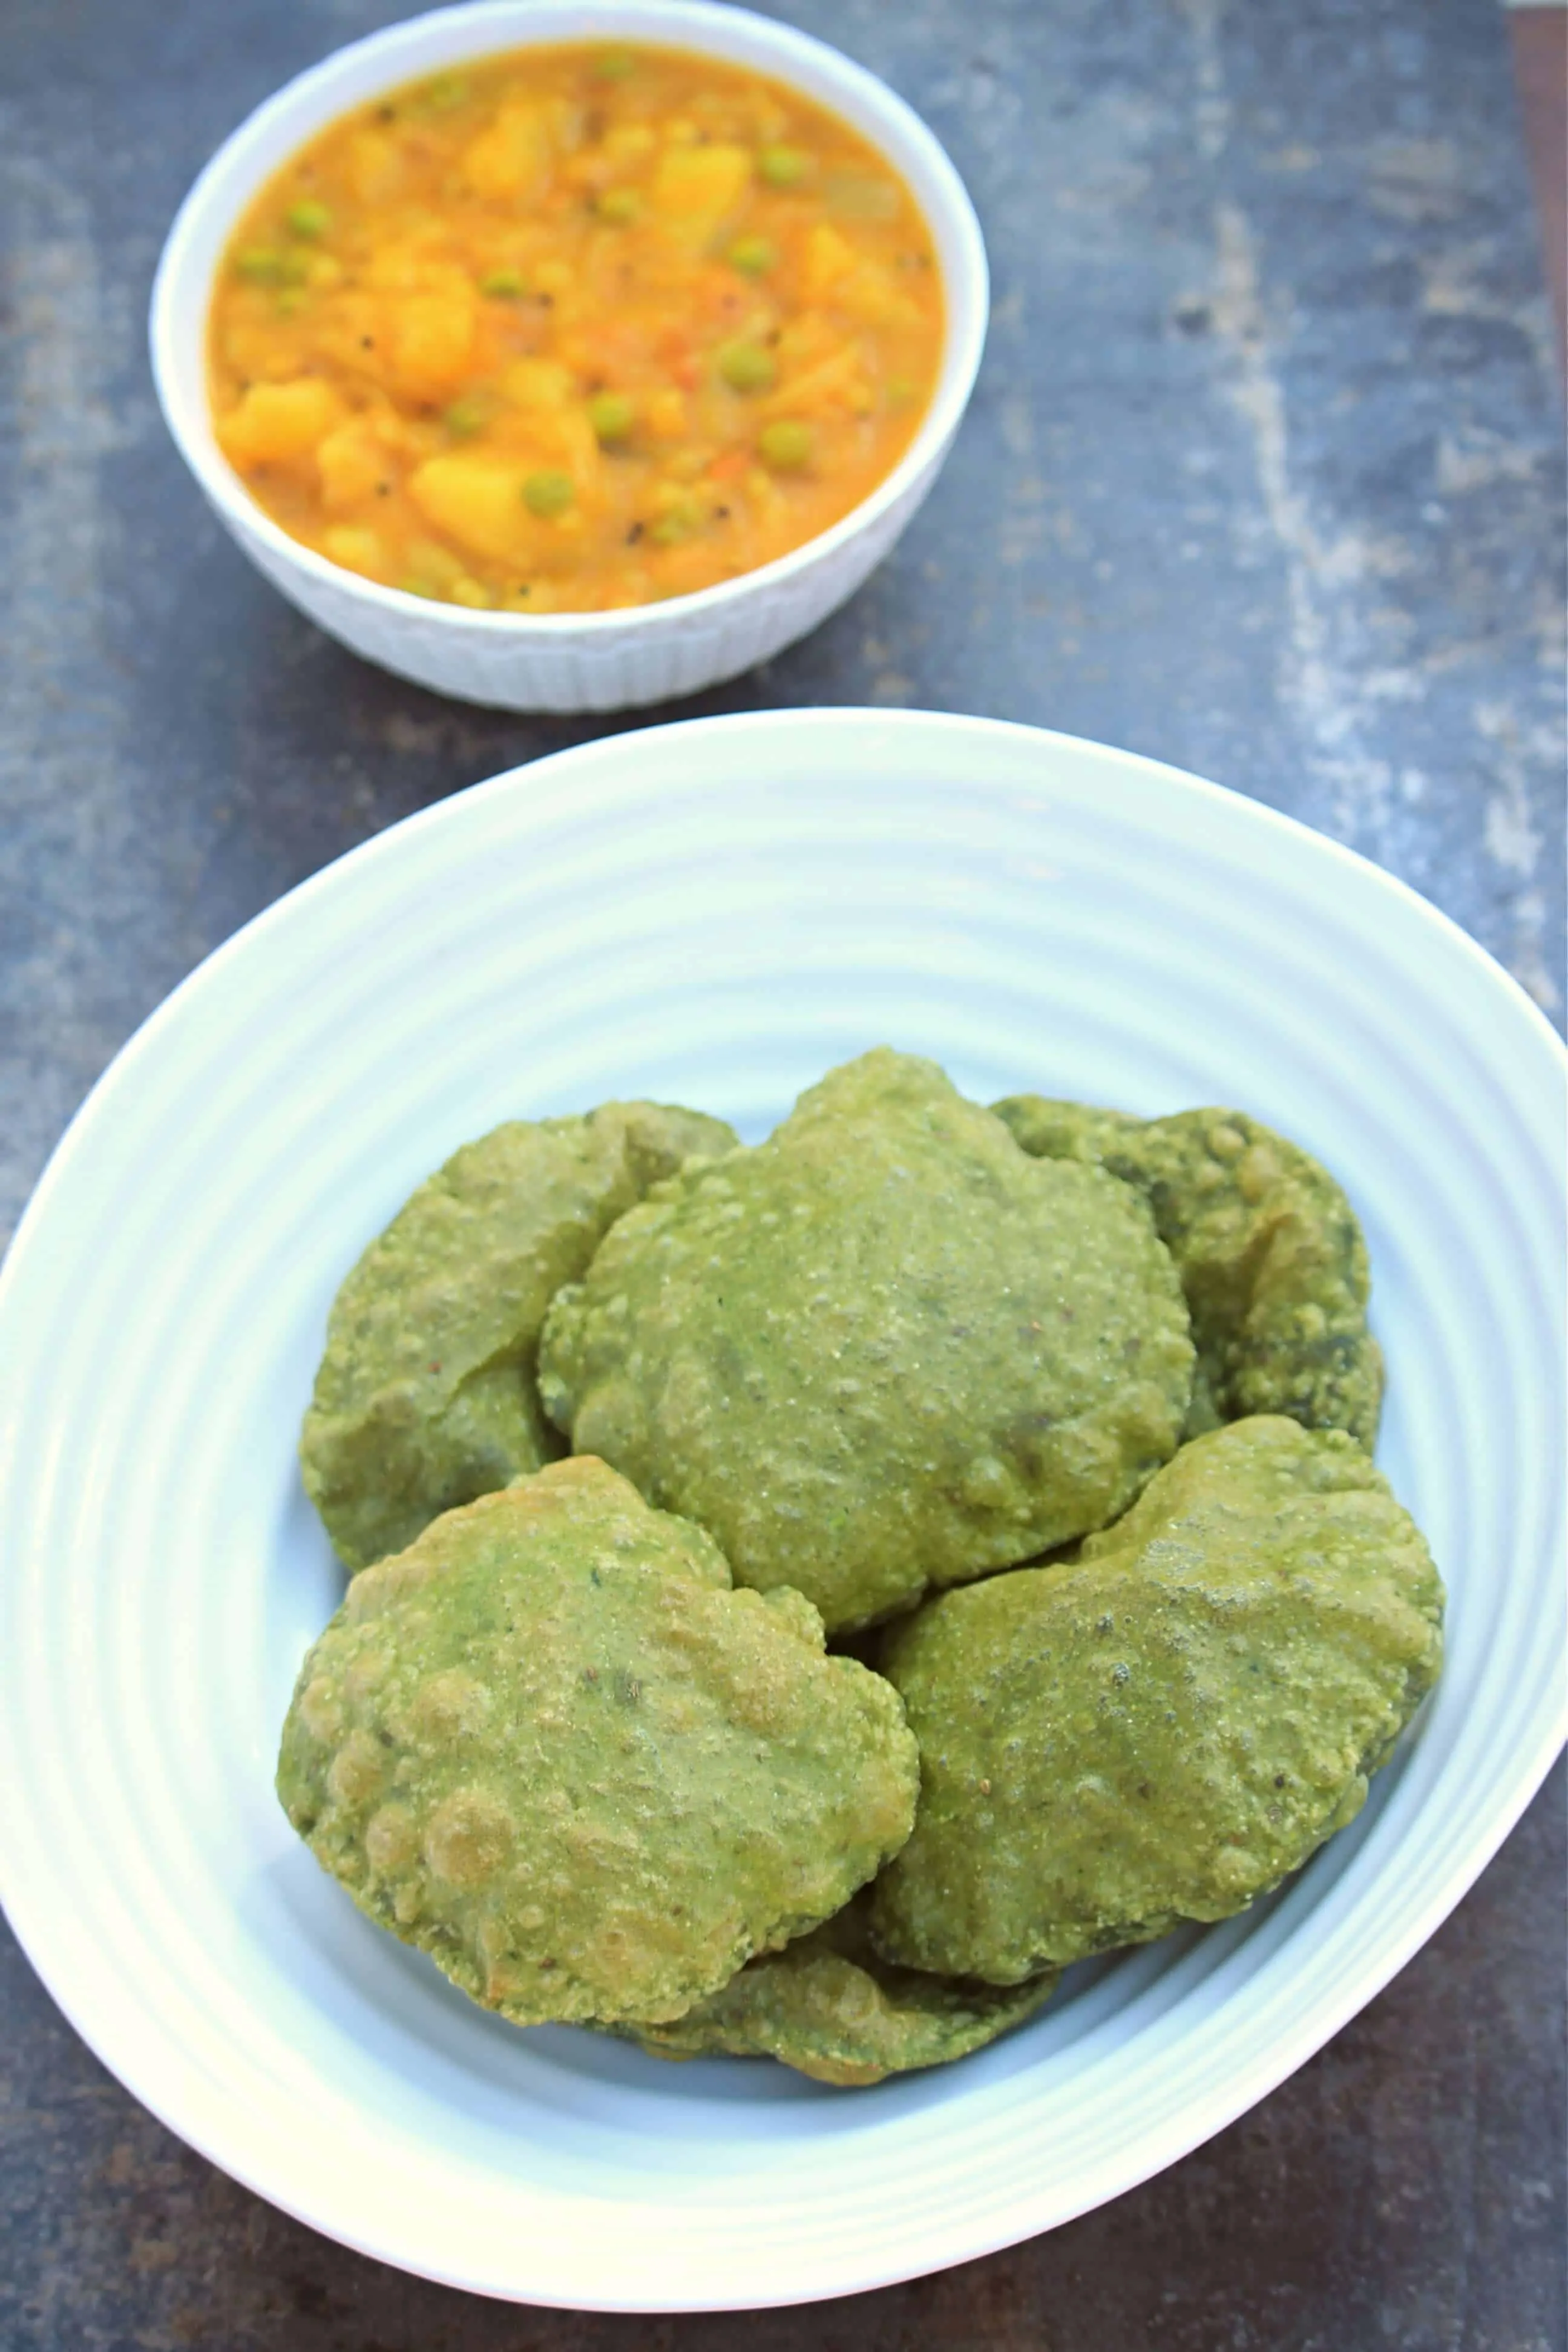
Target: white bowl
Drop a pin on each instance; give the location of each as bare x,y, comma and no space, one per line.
715,913
568,661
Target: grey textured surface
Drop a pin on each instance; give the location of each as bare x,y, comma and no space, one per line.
1262,478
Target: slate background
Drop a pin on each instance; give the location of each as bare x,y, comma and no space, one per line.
1263,477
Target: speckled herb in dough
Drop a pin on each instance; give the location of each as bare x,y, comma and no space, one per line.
1270,1256
552,1748
883,1349
1162,1730
829,2007
425,1395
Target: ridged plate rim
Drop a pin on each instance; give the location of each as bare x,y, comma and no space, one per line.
1513,1058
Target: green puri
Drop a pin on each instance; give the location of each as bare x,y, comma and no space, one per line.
551,1746
1272,1259
1163,1729
829,2007
884,1350
425,1395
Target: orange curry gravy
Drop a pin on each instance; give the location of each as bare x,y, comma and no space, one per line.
573,329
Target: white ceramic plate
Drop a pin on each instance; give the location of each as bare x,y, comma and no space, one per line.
715,913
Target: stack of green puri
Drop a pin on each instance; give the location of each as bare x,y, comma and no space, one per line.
804,1596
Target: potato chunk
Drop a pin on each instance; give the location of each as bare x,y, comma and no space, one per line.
279,424
511,159
695,190
478,500
351,461
432,339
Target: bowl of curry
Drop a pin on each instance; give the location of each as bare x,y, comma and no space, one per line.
563,356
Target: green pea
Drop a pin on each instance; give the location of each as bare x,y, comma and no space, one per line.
678,524
465,418
619,206
614,65
308,218
753,255
293,268
785,445
783,167
502,284
612,415
745,367
549,493
447,91
259,265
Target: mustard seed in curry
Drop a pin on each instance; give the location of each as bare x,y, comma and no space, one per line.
574,329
